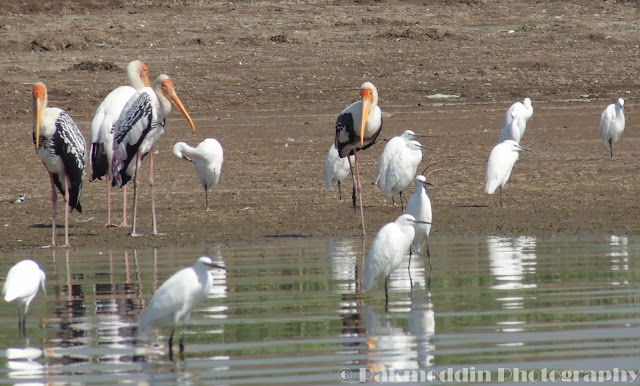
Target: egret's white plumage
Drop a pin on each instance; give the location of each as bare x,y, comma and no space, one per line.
612,124
101,132
61,147
336,169
351,138
22,284
501,160
402,168
390,150
520,111
207,158
388,248
419,206
137,130
177,297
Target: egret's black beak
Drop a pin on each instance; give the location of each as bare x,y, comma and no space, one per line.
212,265
421,222
525,149
426,147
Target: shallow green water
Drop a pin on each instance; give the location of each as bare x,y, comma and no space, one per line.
289,311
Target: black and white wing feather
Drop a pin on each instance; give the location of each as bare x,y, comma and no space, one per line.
68,144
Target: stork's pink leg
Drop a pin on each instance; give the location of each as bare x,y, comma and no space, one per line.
54,202
135,198
124,223
355,157
153,203
66,210
109,223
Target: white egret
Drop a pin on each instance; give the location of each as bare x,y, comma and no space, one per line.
137,130
61,147
387,250
402,168
349,139
336,170
501,160
22,284
612,124
207,158
101,132
520,111
390,150
177,297
419,206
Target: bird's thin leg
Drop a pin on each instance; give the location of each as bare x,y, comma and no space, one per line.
109,223
409,270
355,157
611,147
386,294
171,337
54,204
206,198
339,191
430,267
353,178
501,197
67,207
124,223
401,203
135,199
19,319
153,201
393,200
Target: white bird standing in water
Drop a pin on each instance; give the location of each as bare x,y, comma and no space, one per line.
349,139
61,147
501,160
22,284
612,124
137,130
520,111
178,297
101,132
419,206
387,250
402,168
390,150
336,170
207,158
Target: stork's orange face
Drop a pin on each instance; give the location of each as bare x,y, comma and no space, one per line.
39,103
367,100
170,93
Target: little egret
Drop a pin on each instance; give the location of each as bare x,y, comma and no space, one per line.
23,281
336,170
402,168
501,160
207,158
520,111
419,206
612,124
349,139
177,297
387,250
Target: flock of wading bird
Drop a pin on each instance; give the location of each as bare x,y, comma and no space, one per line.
131,119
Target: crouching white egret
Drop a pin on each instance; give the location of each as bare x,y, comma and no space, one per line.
501,160
177,297
207,158
23,281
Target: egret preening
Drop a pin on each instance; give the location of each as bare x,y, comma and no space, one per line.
22,284
402,168
349,139
387,250
520,111
207,158
612,124
501,160
61,147
178,297
102,130
419,206
138,128
336,170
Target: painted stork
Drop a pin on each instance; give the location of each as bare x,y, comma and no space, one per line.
612,124
61,147
207,158
102,136
135,133
349,139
